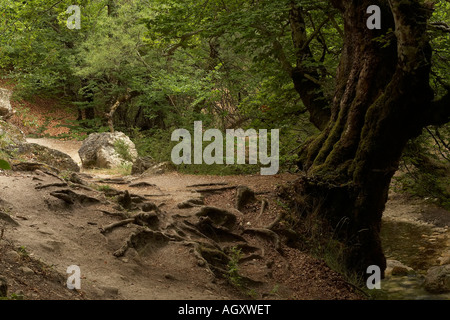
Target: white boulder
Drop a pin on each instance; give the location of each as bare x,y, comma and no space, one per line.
107,150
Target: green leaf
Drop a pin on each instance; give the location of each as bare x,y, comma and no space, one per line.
5,165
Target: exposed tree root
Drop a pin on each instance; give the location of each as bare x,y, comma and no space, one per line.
33,166
114,225
125,200
276,221
244,196
76,178
7,218
217,233
264,206
207,185
82,186
114,181
268,234
219,216
150,206
186,225
143,219
190,204
71,197
45,186
211,232
216,259
122,215
143,185
214,190
140,239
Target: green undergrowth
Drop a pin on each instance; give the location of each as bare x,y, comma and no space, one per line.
158,145
425,167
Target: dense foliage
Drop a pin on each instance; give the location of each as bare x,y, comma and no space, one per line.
222,62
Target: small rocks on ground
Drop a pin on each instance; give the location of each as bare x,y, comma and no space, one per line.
12,256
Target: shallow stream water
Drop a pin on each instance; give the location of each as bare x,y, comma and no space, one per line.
417,246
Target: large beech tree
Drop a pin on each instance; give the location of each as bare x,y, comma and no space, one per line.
382,99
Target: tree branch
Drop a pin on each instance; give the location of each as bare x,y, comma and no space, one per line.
281,56
410,40
315,33
110,115
306,78
440,26
171,50
336,26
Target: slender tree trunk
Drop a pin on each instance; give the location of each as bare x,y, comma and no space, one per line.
122,99
382,100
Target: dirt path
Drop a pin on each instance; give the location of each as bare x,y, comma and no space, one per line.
177,253
166,264
62,235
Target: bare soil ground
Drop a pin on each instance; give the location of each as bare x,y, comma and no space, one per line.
174,259
165,261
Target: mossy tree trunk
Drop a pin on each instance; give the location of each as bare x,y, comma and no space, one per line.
382,99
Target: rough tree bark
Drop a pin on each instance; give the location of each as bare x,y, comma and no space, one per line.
382,99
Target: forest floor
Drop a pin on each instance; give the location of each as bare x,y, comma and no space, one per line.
52,235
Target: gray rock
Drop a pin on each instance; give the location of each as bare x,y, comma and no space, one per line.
396,268
444,260
12,256
437,279
141,165
159,169
48,156
6,111
107,151
76,178
399,271
26,271
3,287
169,276
10,135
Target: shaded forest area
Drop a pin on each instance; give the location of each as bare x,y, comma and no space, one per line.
354,106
